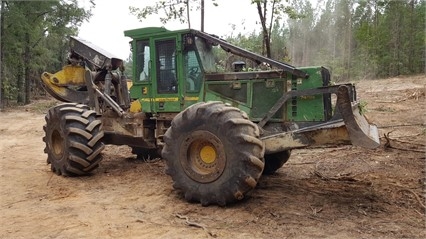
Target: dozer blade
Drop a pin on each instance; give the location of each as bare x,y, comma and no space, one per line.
61,84
361,133
351,128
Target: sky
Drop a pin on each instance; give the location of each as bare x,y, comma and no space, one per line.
111,18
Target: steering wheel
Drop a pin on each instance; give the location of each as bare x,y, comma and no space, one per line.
193,71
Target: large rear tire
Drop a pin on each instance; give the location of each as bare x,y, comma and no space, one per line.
275,161
73,139
213,153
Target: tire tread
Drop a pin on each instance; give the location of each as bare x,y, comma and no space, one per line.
82,134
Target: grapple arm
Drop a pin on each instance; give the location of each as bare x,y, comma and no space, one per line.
90,71
63,85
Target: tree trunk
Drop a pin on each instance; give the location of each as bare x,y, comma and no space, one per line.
305,49
411,54
2,54
27,69
396,35
349,48
20,83
266,40
202,15
187,14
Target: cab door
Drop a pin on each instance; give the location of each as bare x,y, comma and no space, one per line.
192,73
142,80
166,85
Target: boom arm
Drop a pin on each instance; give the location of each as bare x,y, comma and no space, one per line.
253,56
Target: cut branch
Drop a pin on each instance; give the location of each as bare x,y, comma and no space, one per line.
388,145
194,224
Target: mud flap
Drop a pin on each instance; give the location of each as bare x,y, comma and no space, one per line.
361,133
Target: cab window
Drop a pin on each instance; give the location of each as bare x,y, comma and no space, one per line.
192,71
166,66
142,60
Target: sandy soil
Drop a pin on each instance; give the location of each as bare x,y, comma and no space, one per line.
339,192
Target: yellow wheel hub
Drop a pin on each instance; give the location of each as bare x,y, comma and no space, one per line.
202,156
208,154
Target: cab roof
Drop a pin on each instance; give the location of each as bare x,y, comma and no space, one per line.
151,31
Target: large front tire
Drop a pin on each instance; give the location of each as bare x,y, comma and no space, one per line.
73,139
213,153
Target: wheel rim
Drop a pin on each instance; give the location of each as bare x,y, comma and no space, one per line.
203,156
57,142
208,154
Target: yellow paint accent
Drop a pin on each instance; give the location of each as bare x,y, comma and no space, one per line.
69,75
45,78
129,84
168,99
208,154
59,92
307,97
188,98
135,107
171,99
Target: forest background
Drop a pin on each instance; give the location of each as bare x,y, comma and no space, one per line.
355,39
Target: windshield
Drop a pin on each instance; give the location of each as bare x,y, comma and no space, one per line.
206,55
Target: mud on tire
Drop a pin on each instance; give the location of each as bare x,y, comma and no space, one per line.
73,138
213,153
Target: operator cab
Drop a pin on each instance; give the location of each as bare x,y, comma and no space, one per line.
162,58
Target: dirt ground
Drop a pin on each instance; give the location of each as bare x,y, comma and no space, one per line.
338,192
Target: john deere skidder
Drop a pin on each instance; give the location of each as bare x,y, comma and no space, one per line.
218,130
